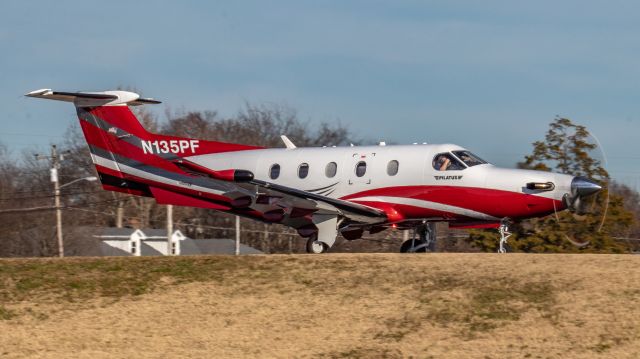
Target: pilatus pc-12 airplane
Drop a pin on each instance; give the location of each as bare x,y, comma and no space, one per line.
321,192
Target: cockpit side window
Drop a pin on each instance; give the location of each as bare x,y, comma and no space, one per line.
447,162
469,158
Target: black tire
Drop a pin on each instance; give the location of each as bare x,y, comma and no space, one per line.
316,247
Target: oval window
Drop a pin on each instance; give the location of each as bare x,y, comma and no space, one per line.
331,169
274,172
392,168
361,168
303,170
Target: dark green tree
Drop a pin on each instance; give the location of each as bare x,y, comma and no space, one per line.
567,148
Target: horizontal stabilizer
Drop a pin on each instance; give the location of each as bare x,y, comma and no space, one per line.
93,99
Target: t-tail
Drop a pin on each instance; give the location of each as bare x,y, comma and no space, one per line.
129,158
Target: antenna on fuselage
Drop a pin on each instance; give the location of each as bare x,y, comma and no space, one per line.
287,142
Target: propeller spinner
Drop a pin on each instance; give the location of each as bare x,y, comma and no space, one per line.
581,188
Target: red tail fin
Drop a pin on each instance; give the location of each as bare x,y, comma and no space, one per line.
121,148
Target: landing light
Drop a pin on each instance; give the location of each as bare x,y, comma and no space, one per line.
541,186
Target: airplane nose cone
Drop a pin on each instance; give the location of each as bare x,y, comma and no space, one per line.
583,187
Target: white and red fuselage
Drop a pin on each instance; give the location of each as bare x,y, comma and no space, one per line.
314,190
417,191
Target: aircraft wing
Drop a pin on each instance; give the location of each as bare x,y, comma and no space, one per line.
294,196
266,197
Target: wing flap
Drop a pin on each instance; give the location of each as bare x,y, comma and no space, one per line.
349,209
169,197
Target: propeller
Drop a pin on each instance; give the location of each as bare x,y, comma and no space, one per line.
584,191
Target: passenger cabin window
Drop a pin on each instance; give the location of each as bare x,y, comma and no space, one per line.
469,158
447,162
361,168
331,169
303,170
392,168
274,172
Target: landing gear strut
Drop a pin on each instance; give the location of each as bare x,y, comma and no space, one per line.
504,235
424,239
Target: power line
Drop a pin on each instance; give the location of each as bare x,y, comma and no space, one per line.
48,208
29,134
49,196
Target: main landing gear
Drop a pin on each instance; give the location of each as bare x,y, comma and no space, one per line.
424,239
504,235
315,246
325,234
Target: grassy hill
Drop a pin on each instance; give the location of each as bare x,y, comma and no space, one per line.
333,306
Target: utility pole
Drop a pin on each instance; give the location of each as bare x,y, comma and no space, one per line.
237,235
169,229
55,179
119,212
55,166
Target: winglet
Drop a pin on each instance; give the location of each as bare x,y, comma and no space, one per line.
287,142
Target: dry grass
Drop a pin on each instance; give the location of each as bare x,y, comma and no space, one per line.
329,306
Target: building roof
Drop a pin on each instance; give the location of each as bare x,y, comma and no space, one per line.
158,233
113,231
95,240
125,233
214,246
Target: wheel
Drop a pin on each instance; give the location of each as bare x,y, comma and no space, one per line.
413,246
315,246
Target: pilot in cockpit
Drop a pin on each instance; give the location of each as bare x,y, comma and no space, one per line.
442,162
448,162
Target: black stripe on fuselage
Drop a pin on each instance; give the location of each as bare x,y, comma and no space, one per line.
123,183
198,181
321,188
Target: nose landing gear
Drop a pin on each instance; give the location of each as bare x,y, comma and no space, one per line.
504,235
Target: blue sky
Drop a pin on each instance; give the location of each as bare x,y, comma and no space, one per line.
489,76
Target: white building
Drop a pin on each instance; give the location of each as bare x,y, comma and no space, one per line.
150,242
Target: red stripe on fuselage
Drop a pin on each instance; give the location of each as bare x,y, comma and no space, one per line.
408,212
109,171
496,203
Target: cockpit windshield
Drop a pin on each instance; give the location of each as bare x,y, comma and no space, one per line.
469,158
447,162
